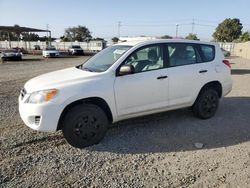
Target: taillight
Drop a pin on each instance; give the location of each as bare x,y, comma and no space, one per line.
226,62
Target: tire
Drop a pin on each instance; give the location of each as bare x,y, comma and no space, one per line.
85,125
206,103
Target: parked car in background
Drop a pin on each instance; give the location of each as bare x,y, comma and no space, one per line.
124,81
11,54
50,51
225,52
22,50
75,50
37,47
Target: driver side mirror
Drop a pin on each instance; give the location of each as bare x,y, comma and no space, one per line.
126,69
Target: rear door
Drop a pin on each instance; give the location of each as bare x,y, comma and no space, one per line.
187,73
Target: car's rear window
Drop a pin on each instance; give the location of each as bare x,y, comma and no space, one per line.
208,52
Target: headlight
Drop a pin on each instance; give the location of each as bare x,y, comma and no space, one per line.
42,96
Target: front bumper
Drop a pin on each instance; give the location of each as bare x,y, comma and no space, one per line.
11,57
41,117
77,52
51,55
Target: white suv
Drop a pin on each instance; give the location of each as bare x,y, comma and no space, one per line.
124,81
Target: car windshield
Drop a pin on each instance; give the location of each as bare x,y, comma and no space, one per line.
76,47
50,48
105,59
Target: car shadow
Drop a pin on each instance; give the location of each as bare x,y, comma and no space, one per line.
66,56
240,71
232,57
178,130
31,59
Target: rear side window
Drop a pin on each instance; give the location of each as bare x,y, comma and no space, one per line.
208,52
182,54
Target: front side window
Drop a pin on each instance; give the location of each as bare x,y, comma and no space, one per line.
105,59
181,54
147,58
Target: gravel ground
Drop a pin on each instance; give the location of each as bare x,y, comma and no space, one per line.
152,151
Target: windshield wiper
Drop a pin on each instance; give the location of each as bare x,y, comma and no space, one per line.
87,69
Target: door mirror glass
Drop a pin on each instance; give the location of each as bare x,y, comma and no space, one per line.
126,69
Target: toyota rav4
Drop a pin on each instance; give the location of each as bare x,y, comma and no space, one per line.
124,81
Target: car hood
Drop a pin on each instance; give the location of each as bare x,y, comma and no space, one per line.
58,79
10,53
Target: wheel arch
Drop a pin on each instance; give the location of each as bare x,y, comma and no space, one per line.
213,84
91,100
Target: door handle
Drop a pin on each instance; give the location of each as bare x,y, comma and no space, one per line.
202,71
161,77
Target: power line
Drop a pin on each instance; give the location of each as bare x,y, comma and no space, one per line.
206,21
206,25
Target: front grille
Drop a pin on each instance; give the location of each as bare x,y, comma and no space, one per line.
23,92
52,54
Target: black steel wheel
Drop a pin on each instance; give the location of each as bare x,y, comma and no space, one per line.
206,104
85,125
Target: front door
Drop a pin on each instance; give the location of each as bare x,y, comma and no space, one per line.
147,89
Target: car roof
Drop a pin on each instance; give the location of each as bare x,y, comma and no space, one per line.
156,41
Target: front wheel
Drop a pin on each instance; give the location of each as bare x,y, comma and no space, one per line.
84,125
206,104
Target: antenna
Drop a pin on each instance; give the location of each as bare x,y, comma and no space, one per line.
176,30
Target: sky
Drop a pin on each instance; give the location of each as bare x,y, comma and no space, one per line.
147,17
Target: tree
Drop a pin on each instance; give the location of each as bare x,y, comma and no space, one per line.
228,30
46,39
115,39
79,33
13,36
4,35
245,36
64,39
30,36
17,33
97,38
166,37
192,37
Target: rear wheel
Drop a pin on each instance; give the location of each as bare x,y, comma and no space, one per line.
84,125
206,104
